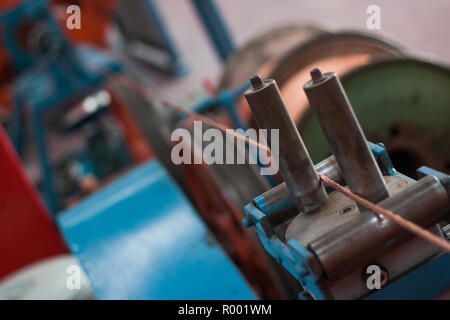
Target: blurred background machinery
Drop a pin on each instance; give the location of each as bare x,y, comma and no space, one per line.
98,150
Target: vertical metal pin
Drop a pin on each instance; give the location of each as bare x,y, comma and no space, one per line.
296,166
345,136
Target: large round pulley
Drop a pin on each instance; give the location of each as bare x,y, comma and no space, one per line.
338,52
403,103
261,53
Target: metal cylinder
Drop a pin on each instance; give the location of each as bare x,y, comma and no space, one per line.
272,198
423,203
296,166
331,169
343,132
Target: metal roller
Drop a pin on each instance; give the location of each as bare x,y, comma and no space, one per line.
270,200
423,203
343,132
296,166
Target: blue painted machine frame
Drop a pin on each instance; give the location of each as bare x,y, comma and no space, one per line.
227,100
140,238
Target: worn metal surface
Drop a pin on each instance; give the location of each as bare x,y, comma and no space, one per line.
344,135
423,203
295,164
387,245
397,262
340,210
277,204
142,228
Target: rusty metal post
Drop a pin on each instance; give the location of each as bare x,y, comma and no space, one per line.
343,132
296,166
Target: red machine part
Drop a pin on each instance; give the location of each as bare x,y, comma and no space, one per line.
27,231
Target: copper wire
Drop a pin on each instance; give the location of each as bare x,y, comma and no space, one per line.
408,225
377,210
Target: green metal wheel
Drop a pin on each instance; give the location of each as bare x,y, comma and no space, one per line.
403,103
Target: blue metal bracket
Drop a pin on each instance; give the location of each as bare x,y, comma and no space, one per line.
227,100
215,27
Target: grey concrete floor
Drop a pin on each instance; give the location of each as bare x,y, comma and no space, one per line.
420,26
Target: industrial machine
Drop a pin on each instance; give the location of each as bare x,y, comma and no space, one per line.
143,228
323,238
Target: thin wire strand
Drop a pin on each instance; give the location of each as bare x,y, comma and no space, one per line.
377,210
410,226
156,96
